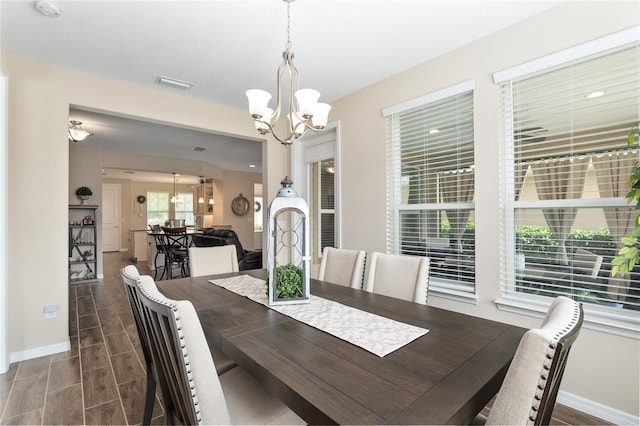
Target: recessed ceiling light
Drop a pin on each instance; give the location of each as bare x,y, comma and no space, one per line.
129,172
433,131
252,165
180,84
198,149
595,95
48,8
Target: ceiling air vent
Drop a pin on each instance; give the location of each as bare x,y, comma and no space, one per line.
198,149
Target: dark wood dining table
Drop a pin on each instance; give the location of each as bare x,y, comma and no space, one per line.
444,377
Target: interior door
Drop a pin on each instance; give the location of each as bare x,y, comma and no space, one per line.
110,217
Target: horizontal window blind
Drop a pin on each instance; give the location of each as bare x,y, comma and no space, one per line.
566,164
430,178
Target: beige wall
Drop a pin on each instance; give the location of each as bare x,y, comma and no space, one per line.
602,367
234,184
39,180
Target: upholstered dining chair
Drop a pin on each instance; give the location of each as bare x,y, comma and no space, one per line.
399,276
192,392
343,267
212,260
130,278
529,390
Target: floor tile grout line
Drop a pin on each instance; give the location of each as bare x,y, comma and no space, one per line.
106,346
46,392
13,383
84,419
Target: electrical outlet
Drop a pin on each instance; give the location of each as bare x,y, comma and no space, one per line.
50,311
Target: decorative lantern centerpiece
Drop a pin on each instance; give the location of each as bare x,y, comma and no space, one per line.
288,248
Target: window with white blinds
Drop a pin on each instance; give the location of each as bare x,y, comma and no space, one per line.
564,177
430,179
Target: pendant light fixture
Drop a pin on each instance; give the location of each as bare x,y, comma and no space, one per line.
304,113
201,198
76,132
174,198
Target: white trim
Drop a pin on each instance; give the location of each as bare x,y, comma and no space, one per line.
300,174
40,351
4,226
567,55
596,409
431,97
609,320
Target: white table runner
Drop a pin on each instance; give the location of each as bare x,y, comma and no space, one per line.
376,334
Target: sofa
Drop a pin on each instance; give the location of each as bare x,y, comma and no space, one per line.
211,237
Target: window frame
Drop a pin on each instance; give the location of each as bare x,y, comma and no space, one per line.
180,199
622,322
149,197
441,287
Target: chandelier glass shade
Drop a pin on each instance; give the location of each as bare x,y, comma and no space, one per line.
303,110
76,132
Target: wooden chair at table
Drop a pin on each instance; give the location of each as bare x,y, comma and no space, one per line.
175,244
192,393
400,276
343,267
212,260
130,278
157,240
528,393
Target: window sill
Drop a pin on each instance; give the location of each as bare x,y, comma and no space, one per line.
452,291
619,322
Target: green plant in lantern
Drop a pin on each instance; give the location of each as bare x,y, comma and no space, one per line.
628,255
288,282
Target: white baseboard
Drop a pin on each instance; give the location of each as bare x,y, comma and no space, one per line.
38,352
596,409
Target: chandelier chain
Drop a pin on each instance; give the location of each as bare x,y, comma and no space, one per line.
288,45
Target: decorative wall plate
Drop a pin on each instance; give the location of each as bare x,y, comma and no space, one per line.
240,205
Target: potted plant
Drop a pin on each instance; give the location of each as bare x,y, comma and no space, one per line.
628,255
86,255
84,192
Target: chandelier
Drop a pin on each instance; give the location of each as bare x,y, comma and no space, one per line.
304,112
76,132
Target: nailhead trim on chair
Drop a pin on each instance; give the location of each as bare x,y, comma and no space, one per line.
185,354
544,376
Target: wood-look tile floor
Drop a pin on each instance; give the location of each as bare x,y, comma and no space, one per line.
101,380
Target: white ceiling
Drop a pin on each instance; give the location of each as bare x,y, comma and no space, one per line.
225,47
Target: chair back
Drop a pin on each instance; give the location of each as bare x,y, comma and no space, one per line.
191,388
530,388
587,263
130,277
212,260
399,276
343,267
